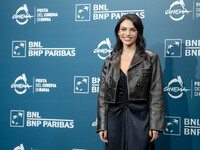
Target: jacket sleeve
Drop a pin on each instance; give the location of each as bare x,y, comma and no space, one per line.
102,107
157,111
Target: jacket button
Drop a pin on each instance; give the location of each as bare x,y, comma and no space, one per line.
138,84
137,74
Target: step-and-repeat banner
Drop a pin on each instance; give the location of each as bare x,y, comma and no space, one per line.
51,57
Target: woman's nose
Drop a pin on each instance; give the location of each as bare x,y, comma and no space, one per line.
127,32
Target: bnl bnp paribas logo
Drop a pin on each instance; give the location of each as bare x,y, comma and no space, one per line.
17,118
176,88
176,48
177,10
81,84
18,48
84,12
22,118
36,49
173,48
172,126
22,15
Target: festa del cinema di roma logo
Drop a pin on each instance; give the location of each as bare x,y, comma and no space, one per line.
20,85
22,15
103,49
41,85
177,10
175,88
20,147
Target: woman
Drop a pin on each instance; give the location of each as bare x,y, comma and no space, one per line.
131,99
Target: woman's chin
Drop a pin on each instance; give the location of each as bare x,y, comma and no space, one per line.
128,44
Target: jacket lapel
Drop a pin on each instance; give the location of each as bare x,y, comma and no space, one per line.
115,60
137,58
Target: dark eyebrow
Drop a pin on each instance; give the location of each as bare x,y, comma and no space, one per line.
134,28
130,28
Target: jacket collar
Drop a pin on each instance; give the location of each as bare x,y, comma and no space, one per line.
137,58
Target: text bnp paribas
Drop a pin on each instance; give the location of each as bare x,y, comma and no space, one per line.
35,120
102,12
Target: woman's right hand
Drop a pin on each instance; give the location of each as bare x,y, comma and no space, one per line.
103,136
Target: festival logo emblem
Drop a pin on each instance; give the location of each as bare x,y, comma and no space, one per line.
20,85
81,84
18,48
21,147
103,49
177,10
172,126
94,124
17,118
173,48
22,15
82,12
175,88
39,85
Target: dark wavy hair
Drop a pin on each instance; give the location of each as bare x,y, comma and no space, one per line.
140,41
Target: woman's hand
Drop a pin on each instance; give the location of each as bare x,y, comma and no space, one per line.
153,134
103,136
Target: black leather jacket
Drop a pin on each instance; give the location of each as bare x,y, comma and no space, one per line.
144,81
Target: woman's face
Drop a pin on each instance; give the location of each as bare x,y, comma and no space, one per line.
127,33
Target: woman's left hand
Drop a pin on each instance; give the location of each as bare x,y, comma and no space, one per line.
153,134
